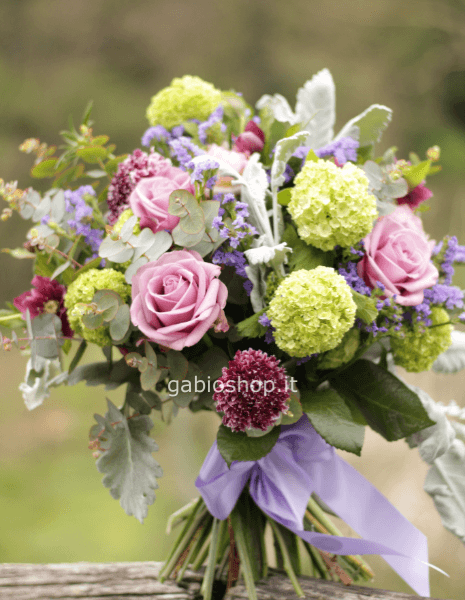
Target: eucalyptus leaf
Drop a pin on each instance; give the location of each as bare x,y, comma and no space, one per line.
126,229
239,446
177,364
120,324
129,469
186,240
332,419
388,405
122,256
161,243
92,320
109,247
182,203
92,373
186,389
61,269
133,268
43,209
149,377
48,327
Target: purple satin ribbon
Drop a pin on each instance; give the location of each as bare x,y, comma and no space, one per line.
301,462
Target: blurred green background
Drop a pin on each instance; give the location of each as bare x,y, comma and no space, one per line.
55,55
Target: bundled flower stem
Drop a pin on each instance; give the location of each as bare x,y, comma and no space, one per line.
239,542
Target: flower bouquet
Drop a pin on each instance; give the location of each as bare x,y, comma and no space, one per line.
252,263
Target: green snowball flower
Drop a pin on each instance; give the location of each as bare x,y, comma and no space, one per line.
83,290
331,205
311,311
417,350
188,97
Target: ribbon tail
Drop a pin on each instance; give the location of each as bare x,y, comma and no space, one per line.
374,518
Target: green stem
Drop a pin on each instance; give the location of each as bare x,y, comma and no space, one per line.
207,584
287,559
246,567
180,515
10,317
183,539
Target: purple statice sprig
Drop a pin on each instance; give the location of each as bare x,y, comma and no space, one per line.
445,254
236,259
183,150
232,224
159,137
265,321
204,129
203,174
82,216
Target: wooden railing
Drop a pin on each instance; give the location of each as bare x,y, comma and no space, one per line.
138,581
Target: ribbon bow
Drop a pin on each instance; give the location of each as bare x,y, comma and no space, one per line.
301,462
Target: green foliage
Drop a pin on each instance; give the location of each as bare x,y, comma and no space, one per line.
366,307
239,446
295,411
388,405
332,419
417,173
48,327
250,327
304,256
129,469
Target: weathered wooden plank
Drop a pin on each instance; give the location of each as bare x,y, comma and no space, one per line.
138,581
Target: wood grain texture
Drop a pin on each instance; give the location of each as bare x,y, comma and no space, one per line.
138,581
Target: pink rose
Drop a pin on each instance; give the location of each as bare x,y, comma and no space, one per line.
398,255
236,160
251,140
149,200
177,298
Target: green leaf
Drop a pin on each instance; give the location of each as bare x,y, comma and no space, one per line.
238,446
366,307
136,401
77,357
415,174
112,165
187,388
46,326
332,419
92,320
92,264
304,256
46,168
92,154
186,240
19,253
250,327
295,408
181,203
108,303
311,156
120,324
149,377
93,374
284,196
177,364
388,405
100,140
130,471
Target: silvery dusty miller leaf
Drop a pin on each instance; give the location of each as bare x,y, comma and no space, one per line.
453,359
129,467
445,483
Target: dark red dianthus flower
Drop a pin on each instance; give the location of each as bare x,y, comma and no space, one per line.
251,140
47,296
252,392
416,196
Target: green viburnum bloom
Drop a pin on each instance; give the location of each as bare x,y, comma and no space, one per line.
83,290
417,350
188,97
311,311
331,205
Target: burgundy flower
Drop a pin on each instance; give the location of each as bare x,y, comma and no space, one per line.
47,296
137,165
251,140
419,194
252,392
